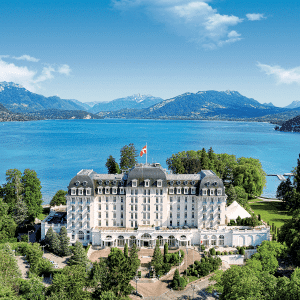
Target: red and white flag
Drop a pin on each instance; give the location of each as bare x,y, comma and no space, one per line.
144,150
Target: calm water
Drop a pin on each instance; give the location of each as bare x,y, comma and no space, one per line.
58,149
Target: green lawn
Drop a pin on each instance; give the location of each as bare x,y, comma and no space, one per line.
271,212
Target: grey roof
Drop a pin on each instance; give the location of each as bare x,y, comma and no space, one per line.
57,218
81,180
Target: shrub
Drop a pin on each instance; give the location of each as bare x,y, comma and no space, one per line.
218,253
202,260
225,253
182,283
242,251
197,262
24,238
212,251
230,253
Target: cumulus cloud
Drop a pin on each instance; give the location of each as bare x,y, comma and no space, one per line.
26,57
197,20
255,17
64,69
29,78
282,75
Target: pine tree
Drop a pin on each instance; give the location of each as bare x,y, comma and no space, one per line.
112,166
176,278
128,157
126,250
231,195
166,249
134,261
64,242
204,159
49,236
297,176
79,256
13,189
157,260
32,193
55,244
20,212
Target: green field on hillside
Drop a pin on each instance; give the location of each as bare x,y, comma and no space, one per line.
271,212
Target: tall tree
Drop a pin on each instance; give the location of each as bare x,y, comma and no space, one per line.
231,195
32,193
112,166
158,259
20,212
64,249
120,273
7,223
134,261
13,188
59,198
126,250
128,157
79,256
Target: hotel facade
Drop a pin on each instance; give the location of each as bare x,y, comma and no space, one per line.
147,203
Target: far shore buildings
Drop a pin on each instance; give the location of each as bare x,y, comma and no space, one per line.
147,203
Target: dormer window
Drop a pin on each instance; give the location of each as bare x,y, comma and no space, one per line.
88,191
114,190
84,183
73,191
134,183
107,190
178,182
204,192
178,190
212,191
159,183
121,190
193,182
186,190
219,191
80,191
171,182
147,183
100,188
171,190
114,182
77,183
193,190
107,182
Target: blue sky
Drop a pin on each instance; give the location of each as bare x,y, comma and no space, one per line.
103,50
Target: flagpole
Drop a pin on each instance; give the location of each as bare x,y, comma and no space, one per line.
146,152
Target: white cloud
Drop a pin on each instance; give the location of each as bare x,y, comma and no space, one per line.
255,17
64,69
26,57
29,78
287,76
197,20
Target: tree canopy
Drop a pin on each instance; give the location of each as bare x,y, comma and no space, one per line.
59,198
245,173
128,156
112,166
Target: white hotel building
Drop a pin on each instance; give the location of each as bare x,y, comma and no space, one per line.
145,204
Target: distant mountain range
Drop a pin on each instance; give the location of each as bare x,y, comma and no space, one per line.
17,103
211,105
132,102
294,104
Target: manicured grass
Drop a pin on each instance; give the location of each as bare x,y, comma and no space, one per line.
271,212
192,278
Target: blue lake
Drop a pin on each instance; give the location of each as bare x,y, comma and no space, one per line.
58,149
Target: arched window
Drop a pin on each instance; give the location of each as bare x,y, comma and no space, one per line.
183,237
146,236
221,240
160,239
132,240
213,240
80,235
171,241
121,241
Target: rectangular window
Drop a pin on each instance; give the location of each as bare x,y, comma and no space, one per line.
185,207
100,190
171,191
156,216
145,192
171,207
171,199
148,200
135,207
73,208
80,224
121,190
148,207
121,215
114,223
122,224
136,200
193,215
178,215
88,224
88,191
121,206
211,216
122,199
73,192
178,190
88,208
204,192
114,190
134,183
193,207
178,206
106,222
99,206
114,207
185,215
114,215
99,215
99,200
159,183
156,207
147,183
186,190
115,199
135,215
106,206
131,200
131,207
88,216
73,224
157,200
204,216
73,217
99,223
107,190
106,215
171,215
